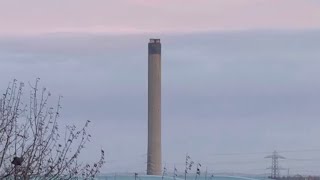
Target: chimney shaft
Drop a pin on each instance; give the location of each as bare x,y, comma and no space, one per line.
154,108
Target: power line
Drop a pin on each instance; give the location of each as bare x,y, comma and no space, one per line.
302,159
257,153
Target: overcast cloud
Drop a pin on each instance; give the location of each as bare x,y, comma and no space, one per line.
236,92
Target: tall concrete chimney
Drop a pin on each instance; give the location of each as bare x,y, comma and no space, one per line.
154,108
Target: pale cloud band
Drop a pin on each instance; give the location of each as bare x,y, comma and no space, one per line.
139,16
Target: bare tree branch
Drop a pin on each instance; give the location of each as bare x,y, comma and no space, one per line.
31,146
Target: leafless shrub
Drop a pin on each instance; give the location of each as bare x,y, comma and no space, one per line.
31,143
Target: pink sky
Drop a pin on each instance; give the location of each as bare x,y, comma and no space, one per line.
134,16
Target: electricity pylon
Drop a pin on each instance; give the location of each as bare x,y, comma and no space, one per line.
275,168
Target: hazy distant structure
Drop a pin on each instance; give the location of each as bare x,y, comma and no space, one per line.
154,108
275,168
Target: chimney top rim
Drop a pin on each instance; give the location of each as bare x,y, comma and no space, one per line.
154,40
